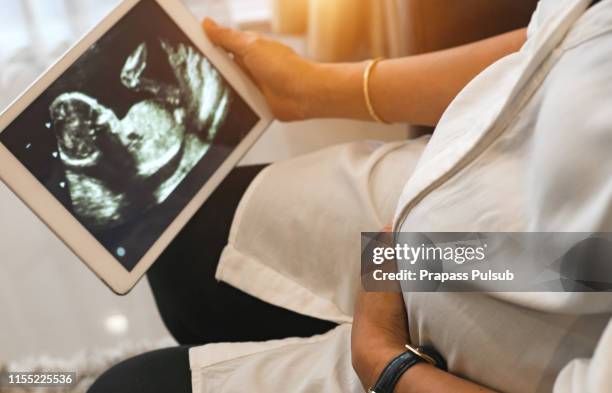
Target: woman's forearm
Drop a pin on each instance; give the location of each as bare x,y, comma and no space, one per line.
415,89
379,334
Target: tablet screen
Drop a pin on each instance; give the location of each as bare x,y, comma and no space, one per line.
127,136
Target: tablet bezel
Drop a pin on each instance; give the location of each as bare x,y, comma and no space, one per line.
82,243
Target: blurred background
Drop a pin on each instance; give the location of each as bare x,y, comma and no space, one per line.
36,32
55,312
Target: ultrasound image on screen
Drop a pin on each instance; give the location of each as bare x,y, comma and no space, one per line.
131,132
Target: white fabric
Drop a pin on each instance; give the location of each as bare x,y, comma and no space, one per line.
298,217
525,147
550,142
290,365
306,215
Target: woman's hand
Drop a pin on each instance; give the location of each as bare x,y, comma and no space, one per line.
379,334
286,79
380,331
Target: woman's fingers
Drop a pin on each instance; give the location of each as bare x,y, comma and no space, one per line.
231,40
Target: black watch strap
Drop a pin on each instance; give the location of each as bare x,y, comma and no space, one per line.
393,372
398,366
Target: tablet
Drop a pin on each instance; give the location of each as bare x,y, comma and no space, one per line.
120,142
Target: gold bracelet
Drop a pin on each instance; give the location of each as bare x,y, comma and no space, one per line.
366,90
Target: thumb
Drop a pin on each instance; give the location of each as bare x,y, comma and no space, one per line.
229,39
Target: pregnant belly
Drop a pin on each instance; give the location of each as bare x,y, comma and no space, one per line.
498,344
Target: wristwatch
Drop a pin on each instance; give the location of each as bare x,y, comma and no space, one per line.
398,366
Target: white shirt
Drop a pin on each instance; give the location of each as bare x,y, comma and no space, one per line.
527,146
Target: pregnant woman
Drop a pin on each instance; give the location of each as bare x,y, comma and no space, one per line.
522,143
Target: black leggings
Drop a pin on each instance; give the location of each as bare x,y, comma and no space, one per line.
196,308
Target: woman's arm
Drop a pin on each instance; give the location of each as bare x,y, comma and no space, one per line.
415,89
379,334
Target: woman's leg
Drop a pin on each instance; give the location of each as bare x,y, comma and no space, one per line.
162,371
194,306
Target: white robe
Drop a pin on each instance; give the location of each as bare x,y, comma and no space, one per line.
525,147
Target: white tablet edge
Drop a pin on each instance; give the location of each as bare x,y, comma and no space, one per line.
76,237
